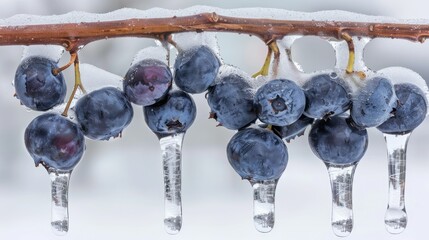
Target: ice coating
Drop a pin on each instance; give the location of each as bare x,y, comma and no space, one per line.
226,70
341,49
94,78
188,40
287,68
49,51
405,75
128,13
158,53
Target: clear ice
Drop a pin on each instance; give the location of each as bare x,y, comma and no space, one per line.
263,204
59,197
171,148
341,177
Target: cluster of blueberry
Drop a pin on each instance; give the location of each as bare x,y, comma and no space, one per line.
337,114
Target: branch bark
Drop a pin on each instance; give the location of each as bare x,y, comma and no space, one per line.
75,35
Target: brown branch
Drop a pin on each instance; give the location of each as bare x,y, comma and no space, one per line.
75,35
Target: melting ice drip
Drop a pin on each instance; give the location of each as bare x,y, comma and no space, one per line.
263,204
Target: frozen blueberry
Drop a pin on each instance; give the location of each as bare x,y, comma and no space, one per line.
326,95
54,141
410,111
257,154
103,113
196,69
337,141
174,114
279,102
231,102
147,82
373,103
36,86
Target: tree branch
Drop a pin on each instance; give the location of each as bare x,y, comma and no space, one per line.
75,35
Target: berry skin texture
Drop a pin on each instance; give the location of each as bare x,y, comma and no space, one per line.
54,141
410,111
231,102
196,69
257,154
337,141
174,114
373,103
103,113
36,86
279,102
293,130
326,95
147,82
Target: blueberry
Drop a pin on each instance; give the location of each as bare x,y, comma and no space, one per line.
147,82
54,141
410,111
293,130
231,101
257,154
103,113
36,86
373,103
196,69
279,102
174,114
326,95
337,141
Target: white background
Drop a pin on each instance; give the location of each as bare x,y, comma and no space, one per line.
116,191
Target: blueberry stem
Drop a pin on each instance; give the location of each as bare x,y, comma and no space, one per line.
59,198
171,148
264,70
341,177
56,71
77,84
395,218
351,62
263,204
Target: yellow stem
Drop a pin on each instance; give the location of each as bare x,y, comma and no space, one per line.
77,84
265,68
351,62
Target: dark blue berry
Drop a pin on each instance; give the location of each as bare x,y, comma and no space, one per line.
196,69
147,82
231,102
293,130
54,141
36,86
410,111
257,154
326,95
103,113
279,102
373,103
337,141
174,114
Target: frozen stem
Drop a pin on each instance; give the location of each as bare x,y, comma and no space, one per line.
351,62
57,71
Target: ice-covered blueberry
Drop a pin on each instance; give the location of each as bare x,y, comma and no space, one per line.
147,82
326,95
410,111
174,114
196,69
103,113
36,86
337,141
54,141
279,102
257,154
